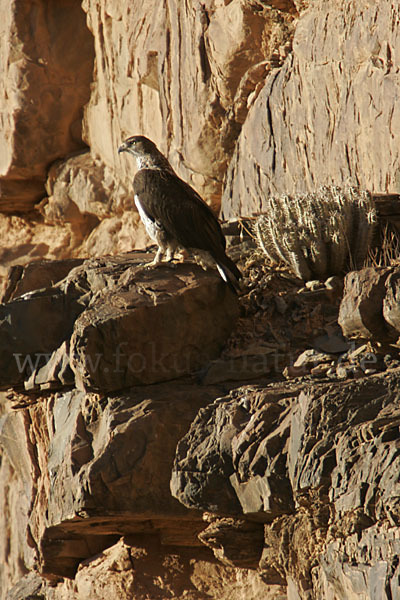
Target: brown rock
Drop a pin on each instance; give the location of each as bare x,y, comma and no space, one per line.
77,185
136,570
355,354
278,563
31,328
235,542
317,464
150,325
325,116
239,369
360,313
144,94
343,560
117,234
311,358
181,316
82,191
219,465
46,82
36,275
344,371
320,370
326,470
291,372
183,78
18,486
54,374
123,570
295,458
24,240
391,302
86,196
332,342
96,470
309,361
30,586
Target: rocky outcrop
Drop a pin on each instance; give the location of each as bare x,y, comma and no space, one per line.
288,488
45,84
93,466
85,464
130,569
102,321
370,309
300,463
183,75
214,84
326,116
276,435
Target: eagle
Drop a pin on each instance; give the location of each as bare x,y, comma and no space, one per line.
174,214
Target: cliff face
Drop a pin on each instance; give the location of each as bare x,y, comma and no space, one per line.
137,461
180,72
246,98
329,114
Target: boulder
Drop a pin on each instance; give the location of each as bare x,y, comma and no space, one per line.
31,328
232,459
149,325
361,309
36,275
136,325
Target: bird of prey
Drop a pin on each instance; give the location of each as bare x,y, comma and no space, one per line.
173,212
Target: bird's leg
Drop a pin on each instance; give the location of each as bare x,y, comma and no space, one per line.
158,257
170,254
171,249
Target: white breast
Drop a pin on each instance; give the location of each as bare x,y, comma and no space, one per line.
151,227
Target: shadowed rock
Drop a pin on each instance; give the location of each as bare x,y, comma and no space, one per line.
368,309
151,325
306,461
136,326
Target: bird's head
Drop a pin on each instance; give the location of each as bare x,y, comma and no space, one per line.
138,145
145,151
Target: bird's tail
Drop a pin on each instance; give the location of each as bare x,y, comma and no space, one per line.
230,273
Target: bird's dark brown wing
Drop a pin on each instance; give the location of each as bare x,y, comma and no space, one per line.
179,209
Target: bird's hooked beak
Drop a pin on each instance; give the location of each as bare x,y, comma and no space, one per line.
123,148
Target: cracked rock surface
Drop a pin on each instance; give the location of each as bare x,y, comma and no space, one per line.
159,437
